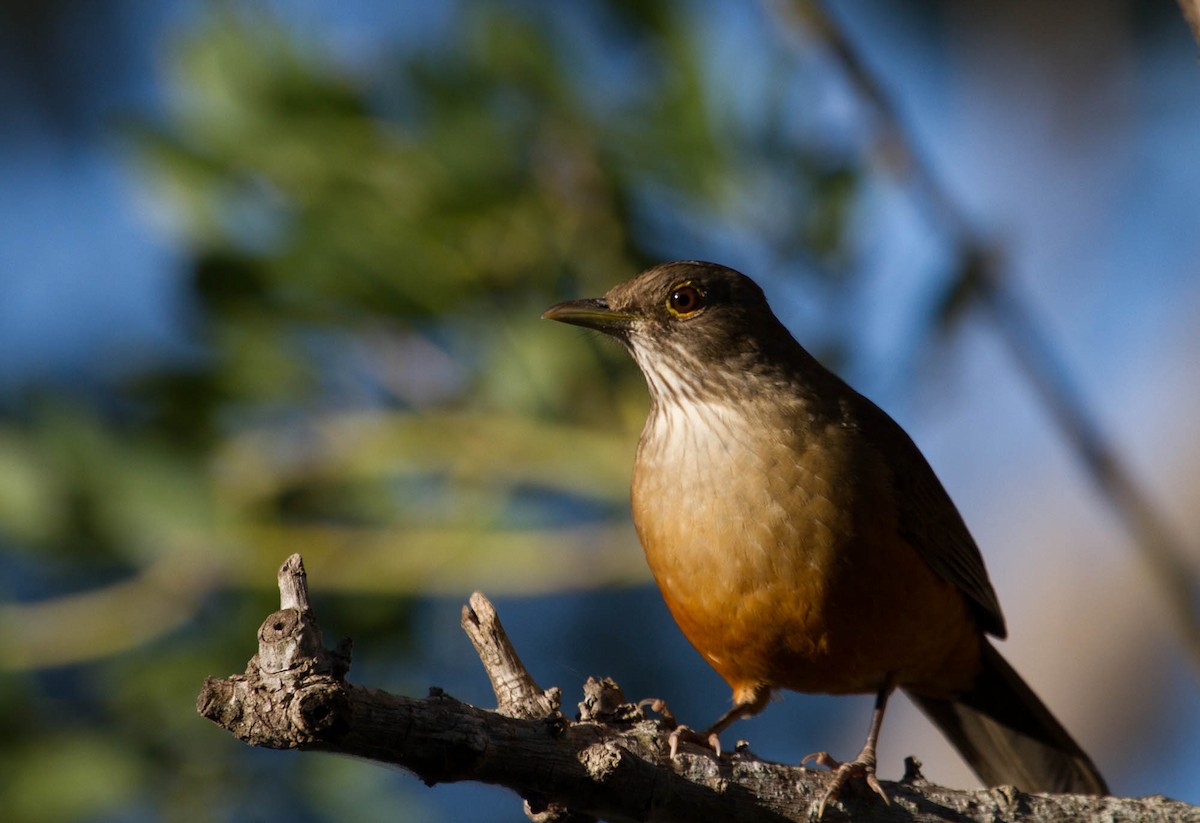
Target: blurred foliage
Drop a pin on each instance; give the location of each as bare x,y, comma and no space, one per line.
364,378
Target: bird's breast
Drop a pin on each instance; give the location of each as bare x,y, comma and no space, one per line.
773,539
741,520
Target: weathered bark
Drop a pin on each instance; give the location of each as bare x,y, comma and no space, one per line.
611,763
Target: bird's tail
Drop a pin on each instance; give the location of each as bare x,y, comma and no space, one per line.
1008,736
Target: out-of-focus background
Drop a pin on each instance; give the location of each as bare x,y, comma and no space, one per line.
270,279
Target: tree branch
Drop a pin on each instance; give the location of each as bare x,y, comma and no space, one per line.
612,762
1191,13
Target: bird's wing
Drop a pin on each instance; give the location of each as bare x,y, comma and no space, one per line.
928,518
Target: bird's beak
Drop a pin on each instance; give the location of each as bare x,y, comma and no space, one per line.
592,313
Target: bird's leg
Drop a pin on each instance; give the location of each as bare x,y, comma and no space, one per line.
862,766
745,706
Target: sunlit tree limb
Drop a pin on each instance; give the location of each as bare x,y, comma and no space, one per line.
613,763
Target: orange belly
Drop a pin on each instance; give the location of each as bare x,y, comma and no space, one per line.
788,571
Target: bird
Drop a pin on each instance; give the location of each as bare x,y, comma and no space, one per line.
801,541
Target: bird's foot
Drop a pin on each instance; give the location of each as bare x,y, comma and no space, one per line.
681,733
843,773
709,740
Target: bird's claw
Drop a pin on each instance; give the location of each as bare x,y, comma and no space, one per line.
708,741
843,773
660,707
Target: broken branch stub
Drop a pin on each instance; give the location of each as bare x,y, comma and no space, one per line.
517,694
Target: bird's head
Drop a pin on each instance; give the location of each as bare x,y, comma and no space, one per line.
690,325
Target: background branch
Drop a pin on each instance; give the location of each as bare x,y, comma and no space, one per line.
1191,13
981,281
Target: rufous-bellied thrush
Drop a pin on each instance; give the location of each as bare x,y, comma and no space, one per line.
801,540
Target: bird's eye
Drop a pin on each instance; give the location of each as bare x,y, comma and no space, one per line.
685,300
